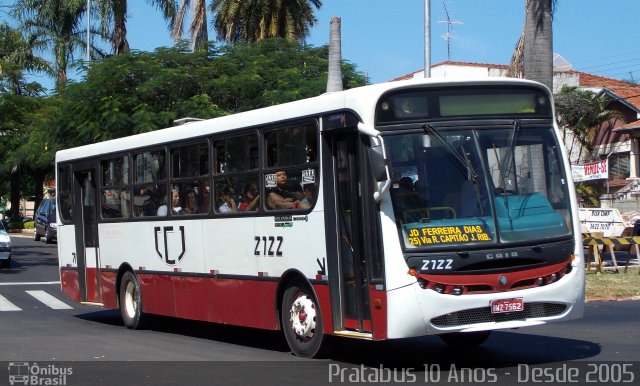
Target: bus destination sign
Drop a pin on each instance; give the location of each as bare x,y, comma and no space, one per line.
447,234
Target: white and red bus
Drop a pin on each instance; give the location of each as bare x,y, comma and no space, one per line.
388,211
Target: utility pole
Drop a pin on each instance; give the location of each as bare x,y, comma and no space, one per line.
88,29
427,38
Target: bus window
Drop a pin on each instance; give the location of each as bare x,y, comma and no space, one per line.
291,145
64,193
115,197
150,189
291,154
149,166
290,189
236,154
235,175
190,161
189,176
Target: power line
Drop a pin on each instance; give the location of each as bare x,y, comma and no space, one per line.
612,63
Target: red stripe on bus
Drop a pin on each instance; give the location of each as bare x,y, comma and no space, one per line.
378,301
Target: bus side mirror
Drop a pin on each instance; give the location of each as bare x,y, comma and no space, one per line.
378,163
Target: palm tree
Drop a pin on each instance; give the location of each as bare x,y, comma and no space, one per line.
198,27
113,20
16,56
334,78
533,55
54,25
254,20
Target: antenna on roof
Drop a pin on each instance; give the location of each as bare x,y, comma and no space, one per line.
448,36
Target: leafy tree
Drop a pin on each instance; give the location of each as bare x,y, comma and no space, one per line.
113,20
142,91
18,99
32,147
255,20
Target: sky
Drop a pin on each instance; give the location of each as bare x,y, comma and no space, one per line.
385,38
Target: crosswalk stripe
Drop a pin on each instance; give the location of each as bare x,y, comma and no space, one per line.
6,305
49,300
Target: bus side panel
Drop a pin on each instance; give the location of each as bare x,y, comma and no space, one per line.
93,292
324,299
191,297
243,302
378,312
109,290
157,294
67,245
69,283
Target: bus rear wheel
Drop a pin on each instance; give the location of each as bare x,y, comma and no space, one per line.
302,321
465,339
131,301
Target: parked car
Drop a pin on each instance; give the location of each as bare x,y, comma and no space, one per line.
45,221
5,247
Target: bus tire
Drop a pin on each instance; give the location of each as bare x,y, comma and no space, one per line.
131,301
48,238
465,339
302,321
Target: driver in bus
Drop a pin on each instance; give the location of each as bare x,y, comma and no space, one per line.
281,197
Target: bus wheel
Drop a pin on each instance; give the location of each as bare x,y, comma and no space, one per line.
465,339
302,322
131,301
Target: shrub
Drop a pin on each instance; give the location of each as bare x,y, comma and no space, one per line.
14,225
29,225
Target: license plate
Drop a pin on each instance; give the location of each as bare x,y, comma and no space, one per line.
507,305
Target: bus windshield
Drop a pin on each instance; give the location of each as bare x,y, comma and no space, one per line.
478,186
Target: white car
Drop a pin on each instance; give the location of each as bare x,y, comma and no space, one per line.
5,247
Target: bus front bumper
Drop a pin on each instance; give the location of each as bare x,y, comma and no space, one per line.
414,311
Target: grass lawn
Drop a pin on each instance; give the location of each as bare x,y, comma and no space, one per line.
610,286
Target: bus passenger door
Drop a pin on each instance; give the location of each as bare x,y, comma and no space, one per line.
349,280
87,254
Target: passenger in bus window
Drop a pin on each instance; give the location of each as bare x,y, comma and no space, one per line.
282,197
250,197
309,194
226,201
190,203
141,202
175,204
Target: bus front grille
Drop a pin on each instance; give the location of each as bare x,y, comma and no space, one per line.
484,315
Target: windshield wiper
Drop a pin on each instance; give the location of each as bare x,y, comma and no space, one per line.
462,160
504,167
508,161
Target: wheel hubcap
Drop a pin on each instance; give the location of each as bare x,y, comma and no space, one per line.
130,302
303,317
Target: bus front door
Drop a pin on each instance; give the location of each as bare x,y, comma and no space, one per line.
349,279
86,226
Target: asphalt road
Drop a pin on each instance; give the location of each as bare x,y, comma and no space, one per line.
58,335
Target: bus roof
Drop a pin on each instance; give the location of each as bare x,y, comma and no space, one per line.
361,100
